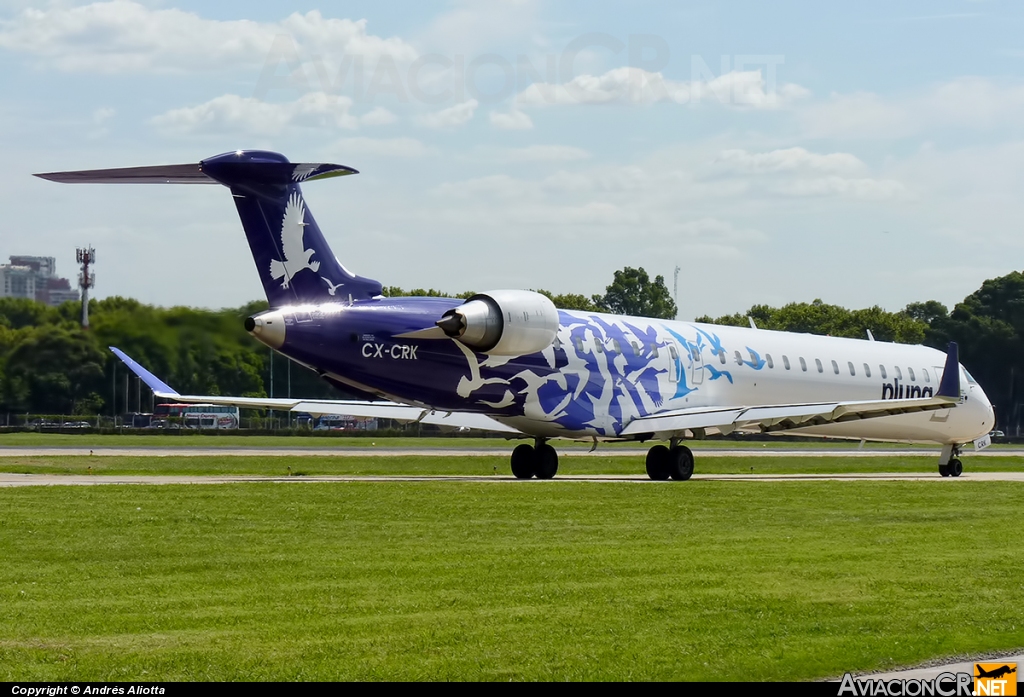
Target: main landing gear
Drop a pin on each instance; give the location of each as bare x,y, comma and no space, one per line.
540,461
949,462
675,462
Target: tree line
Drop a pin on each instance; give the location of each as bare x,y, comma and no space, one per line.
48,365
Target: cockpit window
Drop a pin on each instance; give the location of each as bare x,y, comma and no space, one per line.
970,378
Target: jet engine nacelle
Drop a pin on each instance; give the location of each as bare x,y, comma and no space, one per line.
503,322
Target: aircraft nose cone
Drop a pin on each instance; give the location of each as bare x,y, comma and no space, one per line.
267,327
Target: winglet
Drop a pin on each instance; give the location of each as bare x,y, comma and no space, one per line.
152,381
950,384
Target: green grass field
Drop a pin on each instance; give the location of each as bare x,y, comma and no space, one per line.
538,581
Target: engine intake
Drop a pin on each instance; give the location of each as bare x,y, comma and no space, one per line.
503,322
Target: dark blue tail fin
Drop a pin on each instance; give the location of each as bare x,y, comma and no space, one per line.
293,259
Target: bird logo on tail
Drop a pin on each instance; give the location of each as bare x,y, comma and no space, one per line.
296,256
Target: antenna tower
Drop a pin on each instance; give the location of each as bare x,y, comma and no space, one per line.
86,256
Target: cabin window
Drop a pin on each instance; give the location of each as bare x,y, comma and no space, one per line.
867,370
803,364
910,372
616,346
739,358
881,369
853,371
785,361
558,342
924,372
672,352
598,345
695,353
578,343
721,357
817,362
835,367
654,350
768,358
635,347
899,373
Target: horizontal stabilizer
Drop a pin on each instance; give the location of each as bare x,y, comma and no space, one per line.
160,174
255,172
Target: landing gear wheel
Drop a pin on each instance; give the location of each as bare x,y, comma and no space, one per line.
955,467
657,463
680,463
545,461
944,470
523,457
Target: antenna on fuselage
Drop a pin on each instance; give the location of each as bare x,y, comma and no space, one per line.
675,289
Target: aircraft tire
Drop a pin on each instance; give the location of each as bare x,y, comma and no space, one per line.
955,467
546,462
944,470
657,463
680,461
523,461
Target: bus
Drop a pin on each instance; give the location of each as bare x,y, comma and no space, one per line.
208,416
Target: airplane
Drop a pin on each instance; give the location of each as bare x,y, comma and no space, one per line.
509,361
995,673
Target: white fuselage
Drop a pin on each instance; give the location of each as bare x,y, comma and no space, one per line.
643,366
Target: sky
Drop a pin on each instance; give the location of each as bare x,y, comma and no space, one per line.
864,153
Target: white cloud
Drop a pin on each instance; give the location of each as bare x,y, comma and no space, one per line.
231,113
799,172
102,114
121,36
453,116
864,188
378,116
537,153
512,120
637,86
474,26
381,147
971,103
788,160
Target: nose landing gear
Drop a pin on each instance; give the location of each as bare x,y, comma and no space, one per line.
949,461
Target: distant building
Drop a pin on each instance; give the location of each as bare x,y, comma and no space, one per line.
35,278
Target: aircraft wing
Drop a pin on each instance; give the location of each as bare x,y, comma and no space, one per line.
381,410
775,418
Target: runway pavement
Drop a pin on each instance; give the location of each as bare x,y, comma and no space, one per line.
503,451
18,480
930,672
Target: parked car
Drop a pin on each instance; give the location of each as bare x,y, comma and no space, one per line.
997,434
